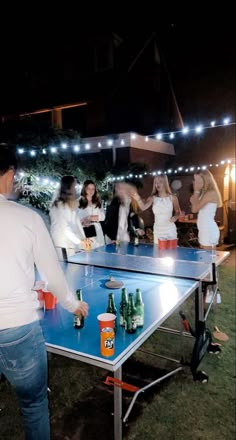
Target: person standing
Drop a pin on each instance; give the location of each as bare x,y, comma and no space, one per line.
121,213
164,205
205,200
66,229
25,242
91,213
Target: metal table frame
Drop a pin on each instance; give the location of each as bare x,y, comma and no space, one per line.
116,367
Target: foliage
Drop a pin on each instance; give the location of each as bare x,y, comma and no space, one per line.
54,166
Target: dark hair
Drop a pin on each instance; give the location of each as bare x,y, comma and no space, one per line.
7,159
83,201
65,194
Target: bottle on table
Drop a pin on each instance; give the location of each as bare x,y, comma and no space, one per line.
130,319
111,307
78,321
123,306
135,235
139,305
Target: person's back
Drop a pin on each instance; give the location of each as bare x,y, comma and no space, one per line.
18,304
24,243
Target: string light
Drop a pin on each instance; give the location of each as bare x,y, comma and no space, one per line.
110,142
178,170
198,129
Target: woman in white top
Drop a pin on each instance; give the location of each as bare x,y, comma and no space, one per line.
91,213
163,205
205,200
66,229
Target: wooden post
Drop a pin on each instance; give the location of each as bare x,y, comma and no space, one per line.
56,118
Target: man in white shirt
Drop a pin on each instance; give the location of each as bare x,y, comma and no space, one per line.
25,242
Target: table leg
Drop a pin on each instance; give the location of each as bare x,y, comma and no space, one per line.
199,305
118,407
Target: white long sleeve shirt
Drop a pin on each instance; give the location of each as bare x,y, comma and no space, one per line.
66,229
24,243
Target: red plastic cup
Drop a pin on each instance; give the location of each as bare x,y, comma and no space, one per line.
41,298
172,244
49,301
106,320
162,244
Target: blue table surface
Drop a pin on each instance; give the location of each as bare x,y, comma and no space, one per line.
167,265
150,250
161,297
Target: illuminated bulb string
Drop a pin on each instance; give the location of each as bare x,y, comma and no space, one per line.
171,172
109,142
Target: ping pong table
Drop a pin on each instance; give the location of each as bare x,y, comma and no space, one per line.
161,296
166,278
186,263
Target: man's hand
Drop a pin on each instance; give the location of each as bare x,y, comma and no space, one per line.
82,309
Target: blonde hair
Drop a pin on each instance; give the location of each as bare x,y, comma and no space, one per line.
166,185
209,184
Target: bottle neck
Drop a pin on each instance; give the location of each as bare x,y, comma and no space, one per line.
124,298
79,295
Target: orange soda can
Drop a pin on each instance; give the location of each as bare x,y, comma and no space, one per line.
107,344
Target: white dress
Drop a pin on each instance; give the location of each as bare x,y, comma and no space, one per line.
66,229
163,228
93,210
208,231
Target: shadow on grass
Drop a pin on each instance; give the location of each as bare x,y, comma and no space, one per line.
92,416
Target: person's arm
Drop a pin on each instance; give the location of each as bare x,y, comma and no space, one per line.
101,214
142,205
63,221
47,263
198,203
177,210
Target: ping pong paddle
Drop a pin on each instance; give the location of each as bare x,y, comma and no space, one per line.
220,335
113,284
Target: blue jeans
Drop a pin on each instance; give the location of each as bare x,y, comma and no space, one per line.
23,361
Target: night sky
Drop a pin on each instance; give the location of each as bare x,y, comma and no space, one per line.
200,58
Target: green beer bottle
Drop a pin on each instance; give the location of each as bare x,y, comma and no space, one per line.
139,305
130,319
123,306
111,307
79,320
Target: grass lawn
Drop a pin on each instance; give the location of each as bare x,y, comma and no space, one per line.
81,405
